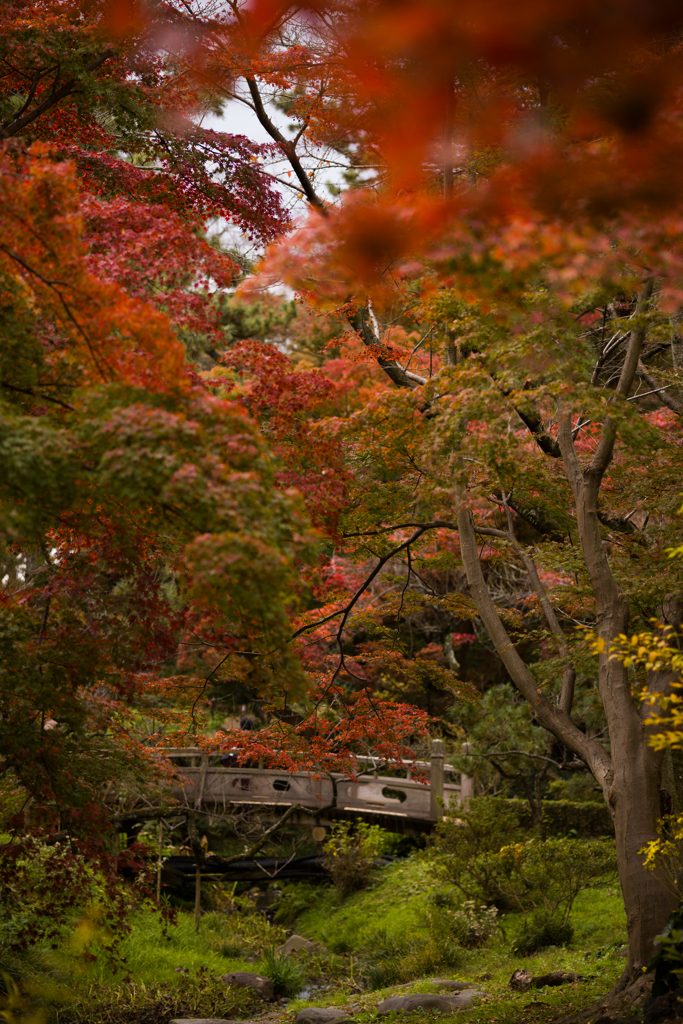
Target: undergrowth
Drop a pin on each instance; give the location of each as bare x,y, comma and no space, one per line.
199,995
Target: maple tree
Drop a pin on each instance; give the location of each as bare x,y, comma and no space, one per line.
506,364
524,217
151,538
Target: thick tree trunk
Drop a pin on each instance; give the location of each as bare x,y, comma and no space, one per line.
630,778
634,795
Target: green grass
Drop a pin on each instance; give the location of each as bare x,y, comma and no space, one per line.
151,957
394,904
388,919
393,908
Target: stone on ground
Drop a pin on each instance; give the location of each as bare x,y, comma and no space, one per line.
263,986
423,1001
202,1020
295,943
321,1015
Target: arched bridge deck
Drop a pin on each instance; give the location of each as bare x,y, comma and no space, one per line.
395,802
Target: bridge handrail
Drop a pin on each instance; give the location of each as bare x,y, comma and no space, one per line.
379,761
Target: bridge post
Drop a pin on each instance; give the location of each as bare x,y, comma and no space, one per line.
466,781
436,780
199,790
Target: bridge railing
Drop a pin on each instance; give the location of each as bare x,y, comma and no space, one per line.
217,786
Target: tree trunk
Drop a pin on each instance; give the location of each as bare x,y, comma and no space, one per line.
634,795
630,778
197,896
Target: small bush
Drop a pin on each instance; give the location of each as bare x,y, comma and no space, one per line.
471,924
461,844
427,958
540,933
350,854
242,932
381,975
544,878
386,960
285,973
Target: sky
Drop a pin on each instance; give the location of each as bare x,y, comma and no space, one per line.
239,119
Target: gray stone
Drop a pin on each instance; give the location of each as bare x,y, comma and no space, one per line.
423,1001
453,986
295,943
263,986
321,1015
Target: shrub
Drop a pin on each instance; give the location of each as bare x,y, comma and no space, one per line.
470,925
382,974
462,843
539,933
386,960
285,973
544,878
350,854
242,932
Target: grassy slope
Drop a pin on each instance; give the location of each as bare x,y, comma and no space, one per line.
151,957
393,909
393,905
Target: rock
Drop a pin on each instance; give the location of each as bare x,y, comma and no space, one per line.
202,1020
321,1015
520,980
422,1001
454,986
263,986
295,943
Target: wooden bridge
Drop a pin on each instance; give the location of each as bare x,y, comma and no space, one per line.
395,801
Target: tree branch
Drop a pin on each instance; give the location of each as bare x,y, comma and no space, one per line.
563,766
288,148
393,369
551,718
569,675
605,449
668,400
21,122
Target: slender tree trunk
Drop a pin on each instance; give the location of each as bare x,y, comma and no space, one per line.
197,896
